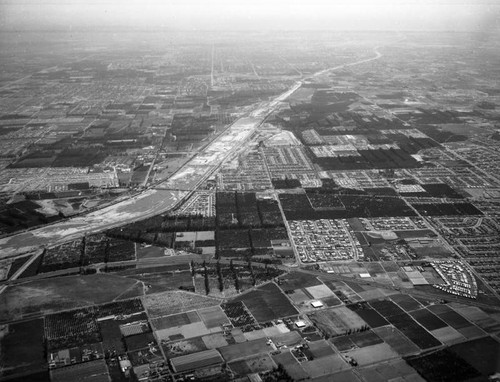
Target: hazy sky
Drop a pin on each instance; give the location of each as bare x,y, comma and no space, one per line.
251,15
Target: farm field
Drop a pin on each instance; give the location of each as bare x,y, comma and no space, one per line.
253,365
178,319
363,339
448,335
360,340
482,354
324,366
342,376
319,349
139,341
183,347
471,332
406,302
267,303
185,331
72,328
196,360
245,349
239,316
213,317
449,316
320,291
343,291
386,308
292,367
52,295
415,333
297,280
21,346
111,337
171,302
443,365
214,341
331,301
373,354
396,340
371,316
94,370
427,319
336,321
160,282
149,251
391,370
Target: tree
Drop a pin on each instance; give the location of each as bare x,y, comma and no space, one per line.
219,276
192,268
235,276
249,264
207,283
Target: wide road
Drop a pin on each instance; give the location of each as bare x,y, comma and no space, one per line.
155,201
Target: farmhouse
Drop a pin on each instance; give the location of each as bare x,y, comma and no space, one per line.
317,304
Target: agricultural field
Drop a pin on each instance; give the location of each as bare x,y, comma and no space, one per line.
290,364
324,366
93,370
406,302
213,317
396,340
22,349
443,365
120,250
372,354
427,319
244,350
448,335
239,315
165,281
297,280
68,255
448,315
195,329
361,339
386,308
73,328
267,303
415,333
111,337
337,321
343,291
179,319
482,354
215,340
139,341
391,370
172,302
56,294
256,364
183,347
150,354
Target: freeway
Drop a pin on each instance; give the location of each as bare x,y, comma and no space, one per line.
156,201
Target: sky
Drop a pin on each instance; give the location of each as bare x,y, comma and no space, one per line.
264,15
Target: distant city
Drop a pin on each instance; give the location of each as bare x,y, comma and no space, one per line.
288,206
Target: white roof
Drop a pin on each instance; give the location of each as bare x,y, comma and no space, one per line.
300,324
317,304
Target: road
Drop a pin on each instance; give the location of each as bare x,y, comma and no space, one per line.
153,201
